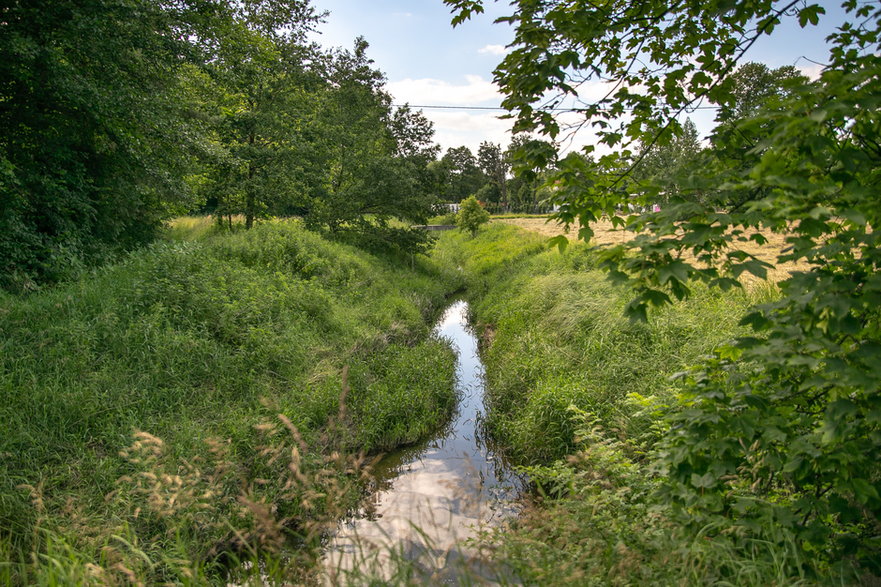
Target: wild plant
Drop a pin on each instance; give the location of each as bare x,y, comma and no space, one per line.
278,505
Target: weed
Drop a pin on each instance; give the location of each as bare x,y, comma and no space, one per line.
196,339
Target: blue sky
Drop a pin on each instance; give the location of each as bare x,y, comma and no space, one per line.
428,62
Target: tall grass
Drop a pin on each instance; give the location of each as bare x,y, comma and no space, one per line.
556,336
575,390
199,343
194,227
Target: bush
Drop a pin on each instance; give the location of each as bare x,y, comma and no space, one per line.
471,215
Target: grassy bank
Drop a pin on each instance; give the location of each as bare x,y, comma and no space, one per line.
558,337
577,392
199,398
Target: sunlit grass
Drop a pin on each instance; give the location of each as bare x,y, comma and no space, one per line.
199,341
575,390
559,337
183,415
191,227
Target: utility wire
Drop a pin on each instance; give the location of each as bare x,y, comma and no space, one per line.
450,107
499,108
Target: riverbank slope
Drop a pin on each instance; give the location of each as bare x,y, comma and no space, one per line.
197,401
579,395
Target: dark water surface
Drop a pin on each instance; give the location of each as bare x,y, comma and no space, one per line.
432,496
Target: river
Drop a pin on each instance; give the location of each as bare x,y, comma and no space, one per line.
431,497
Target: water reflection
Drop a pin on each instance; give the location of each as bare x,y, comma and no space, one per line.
433,496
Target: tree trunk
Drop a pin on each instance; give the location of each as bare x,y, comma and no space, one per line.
503,192
249,190
249,210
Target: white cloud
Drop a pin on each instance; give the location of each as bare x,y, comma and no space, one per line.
454,128
476,91
493,50
812,71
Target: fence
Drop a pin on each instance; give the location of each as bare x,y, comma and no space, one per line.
525,208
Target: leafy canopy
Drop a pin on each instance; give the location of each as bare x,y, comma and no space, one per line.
778,433
91,156
117,115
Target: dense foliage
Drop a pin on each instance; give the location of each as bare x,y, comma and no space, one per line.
91,155
776,436
118,115
487,177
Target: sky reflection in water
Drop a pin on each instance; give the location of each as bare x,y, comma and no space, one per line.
434,495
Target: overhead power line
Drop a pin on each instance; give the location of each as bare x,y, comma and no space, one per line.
450,107
441,107
499,108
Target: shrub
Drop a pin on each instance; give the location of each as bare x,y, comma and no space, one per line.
471,215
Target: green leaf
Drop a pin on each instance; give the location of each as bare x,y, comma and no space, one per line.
656,297
793,465
810,14
864,490
705,481
585,233
636,311
855,216
560,241
729,352
677,270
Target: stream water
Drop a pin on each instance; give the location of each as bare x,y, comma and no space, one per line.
431,497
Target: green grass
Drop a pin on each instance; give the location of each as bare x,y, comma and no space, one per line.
186,228
197,411
576,392
559,338
207,337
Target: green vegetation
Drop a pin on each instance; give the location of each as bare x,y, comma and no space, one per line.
120,115
172,406
459,174
559,337
197,400
471,215
777,437
578,393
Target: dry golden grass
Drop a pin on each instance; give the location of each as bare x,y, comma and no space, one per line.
605,233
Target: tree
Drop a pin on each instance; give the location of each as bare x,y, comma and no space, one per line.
756,88
494,165
471,215
95,129
461,175
112,111
372,158
264,91
526,187
779,431
666,162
